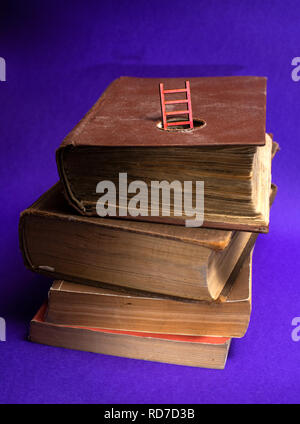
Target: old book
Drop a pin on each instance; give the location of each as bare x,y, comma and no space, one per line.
230,152
167,259
229,315
208,352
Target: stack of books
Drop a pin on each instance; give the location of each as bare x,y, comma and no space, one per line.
134,274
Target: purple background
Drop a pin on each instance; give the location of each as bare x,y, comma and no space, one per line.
60,56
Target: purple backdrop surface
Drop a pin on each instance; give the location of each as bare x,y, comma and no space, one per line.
60,56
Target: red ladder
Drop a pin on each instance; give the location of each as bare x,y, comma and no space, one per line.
164,102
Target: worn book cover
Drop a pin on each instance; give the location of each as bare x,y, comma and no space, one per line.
229,315
206,352
172,260
230,153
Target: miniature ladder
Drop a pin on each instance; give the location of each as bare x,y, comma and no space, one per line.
164,102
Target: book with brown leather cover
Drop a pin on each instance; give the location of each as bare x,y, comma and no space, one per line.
229,152
171,260
233,108
159,258
227,316
194,351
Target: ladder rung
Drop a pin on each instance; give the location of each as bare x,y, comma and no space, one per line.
170,102
178,112
178,123
179,90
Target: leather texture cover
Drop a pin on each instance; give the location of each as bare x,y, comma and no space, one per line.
127,114
53,204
